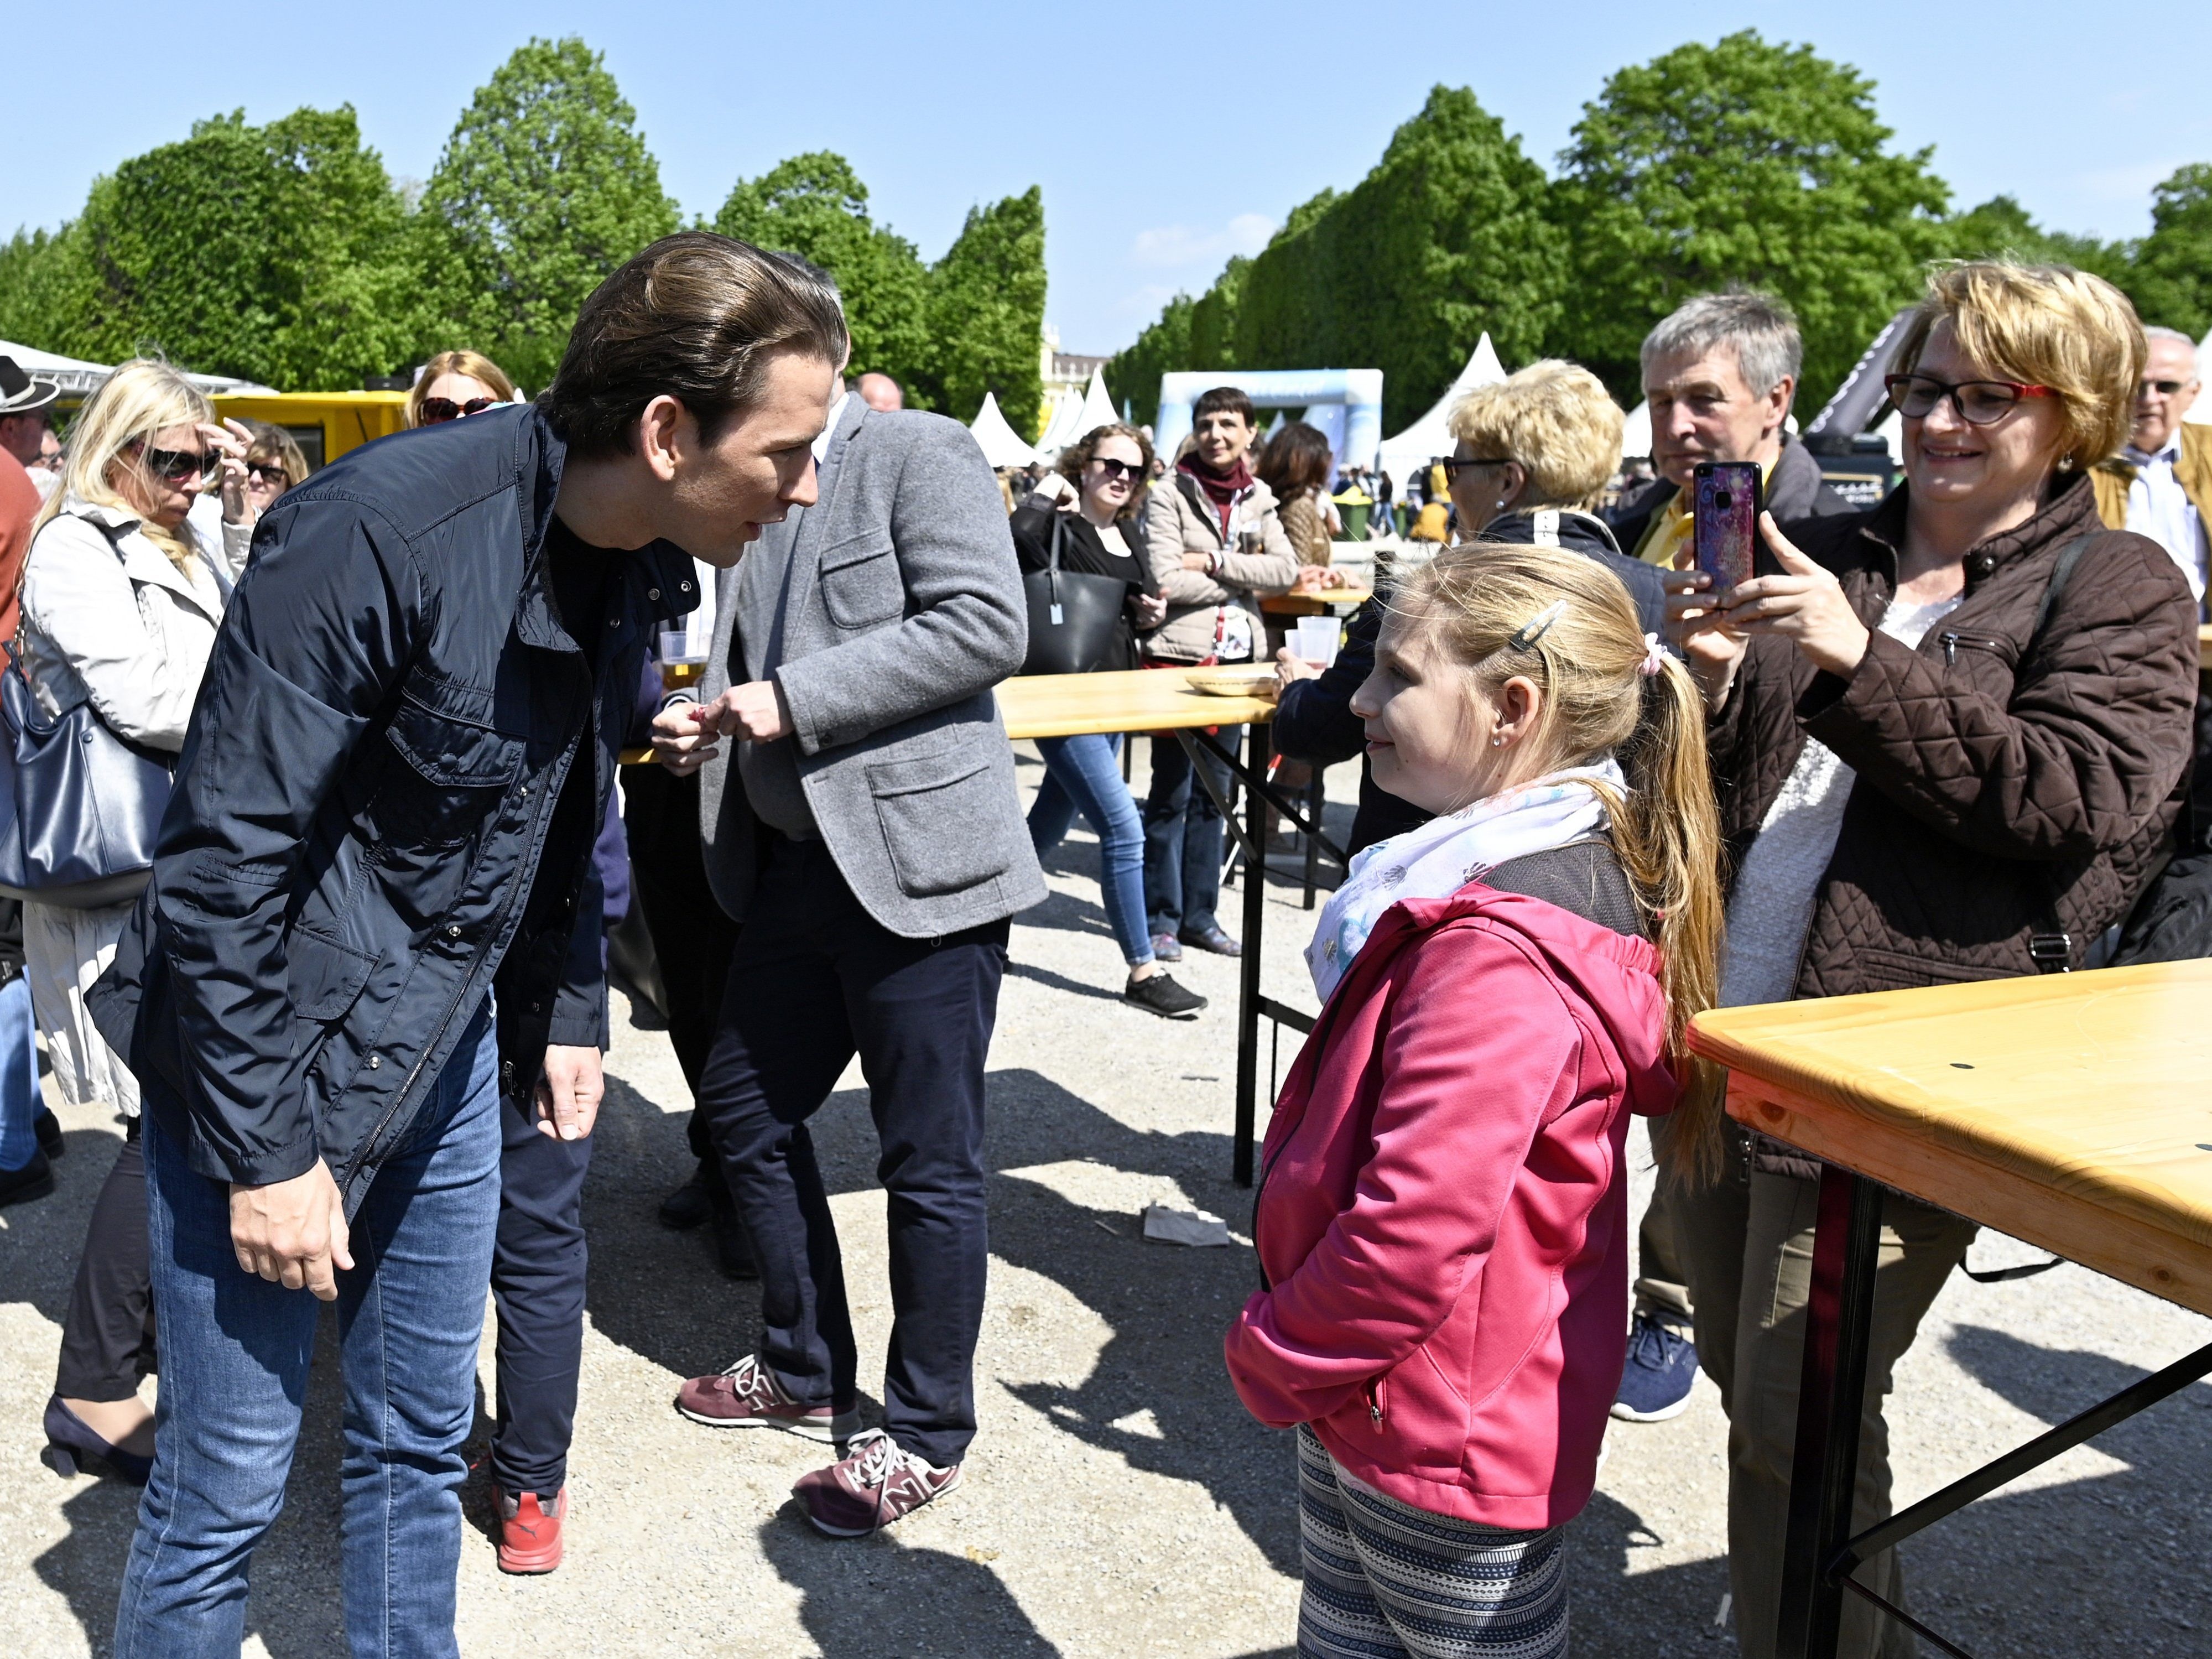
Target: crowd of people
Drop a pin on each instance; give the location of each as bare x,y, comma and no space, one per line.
354,1023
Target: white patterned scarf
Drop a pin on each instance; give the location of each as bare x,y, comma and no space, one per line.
1445,854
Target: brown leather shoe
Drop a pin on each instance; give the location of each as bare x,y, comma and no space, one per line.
529,1533
748,1397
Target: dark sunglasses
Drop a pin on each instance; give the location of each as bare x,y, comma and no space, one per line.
1979,403
1454,467
2164,388
1133,471
175,466
436,411
271,474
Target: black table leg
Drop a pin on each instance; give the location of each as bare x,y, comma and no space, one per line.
1832,1390
1248,996
1316,801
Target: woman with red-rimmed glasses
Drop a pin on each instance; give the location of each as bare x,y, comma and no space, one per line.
1948,735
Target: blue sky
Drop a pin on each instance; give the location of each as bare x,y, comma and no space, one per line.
1166,136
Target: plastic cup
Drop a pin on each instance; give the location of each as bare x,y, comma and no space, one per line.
1317,640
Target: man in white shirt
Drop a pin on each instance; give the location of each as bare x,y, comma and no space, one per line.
2166,466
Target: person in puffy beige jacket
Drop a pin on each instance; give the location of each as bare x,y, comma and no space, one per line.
1215,544
123,589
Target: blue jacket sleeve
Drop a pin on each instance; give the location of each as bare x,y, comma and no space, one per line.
1314,720
318,636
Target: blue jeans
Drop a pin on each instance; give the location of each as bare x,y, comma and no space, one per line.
235,1353
1183,837
19,1075
1084,775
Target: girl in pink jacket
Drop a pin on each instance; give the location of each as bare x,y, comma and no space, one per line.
1441,1223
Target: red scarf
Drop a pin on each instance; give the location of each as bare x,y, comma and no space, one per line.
1222,489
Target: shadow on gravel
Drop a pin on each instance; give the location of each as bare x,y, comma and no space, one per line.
868,1597
1617,1609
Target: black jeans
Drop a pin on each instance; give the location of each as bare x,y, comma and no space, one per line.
107,1341
1183,836
538,1287
815,981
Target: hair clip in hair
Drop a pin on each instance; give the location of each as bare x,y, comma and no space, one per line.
1654,658
1537,626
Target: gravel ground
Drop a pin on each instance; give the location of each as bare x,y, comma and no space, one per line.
1117,1501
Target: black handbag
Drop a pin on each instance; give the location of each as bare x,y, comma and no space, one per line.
1074,616
81,805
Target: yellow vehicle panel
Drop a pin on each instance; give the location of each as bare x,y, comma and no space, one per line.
326,424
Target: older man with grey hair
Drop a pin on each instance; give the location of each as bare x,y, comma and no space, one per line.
1719,374
2161,485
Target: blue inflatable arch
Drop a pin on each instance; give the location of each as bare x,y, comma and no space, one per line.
1359,390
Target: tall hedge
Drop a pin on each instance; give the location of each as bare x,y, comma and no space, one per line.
985,313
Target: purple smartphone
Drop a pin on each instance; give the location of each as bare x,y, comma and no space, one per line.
1724,504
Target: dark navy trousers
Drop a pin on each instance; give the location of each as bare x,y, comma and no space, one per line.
538,1287
816,980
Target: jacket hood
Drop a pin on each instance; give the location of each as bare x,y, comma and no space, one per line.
1616,977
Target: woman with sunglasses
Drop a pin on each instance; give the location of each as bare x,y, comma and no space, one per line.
1947,735
274,463
1092,502
122,592
457,383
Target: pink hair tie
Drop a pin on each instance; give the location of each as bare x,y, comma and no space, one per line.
1655,660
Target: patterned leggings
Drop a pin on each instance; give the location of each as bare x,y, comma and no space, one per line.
1384,1579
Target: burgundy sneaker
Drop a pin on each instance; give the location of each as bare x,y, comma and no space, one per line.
529,1533
872,1486
747,1396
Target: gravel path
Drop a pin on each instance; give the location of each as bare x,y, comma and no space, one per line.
1118,1501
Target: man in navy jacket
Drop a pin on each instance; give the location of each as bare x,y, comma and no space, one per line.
373,928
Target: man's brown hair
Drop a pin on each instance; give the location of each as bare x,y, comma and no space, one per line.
696,317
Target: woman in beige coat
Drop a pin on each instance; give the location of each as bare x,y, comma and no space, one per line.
123,589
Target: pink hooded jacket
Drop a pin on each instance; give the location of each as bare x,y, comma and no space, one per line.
1443,1210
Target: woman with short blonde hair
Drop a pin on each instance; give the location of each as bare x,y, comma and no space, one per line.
457,383
123,589
1556,421
1949,734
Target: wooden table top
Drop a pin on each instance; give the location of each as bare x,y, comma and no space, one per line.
1141,700
1302,602
2069,1110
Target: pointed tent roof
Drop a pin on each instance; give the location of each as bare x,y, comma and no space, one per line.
1071,419
1002,445
1431,436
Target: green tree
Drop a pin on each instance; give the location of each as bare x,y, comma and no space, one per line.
2000,229
815,206
1447,237
985,313
2171,279
1748,163
543,189
268,253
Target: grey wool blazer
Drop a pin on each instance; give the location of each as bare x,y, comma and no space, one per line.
891,607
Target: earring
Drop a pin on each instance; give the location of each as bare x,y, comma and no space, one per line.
1496,742
1498,507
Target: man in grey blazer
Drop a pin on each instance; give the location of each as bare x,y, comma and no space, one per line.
860,822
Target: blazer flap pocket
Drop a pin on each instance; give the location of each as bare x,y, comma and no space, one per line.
323,976
855,550
940,770
455,753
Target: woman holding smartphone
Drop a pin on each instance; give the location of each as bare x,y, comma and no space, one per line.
1947,740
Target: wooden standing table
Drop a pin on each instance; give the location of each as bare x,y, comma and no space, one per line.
2066,1110
1162,700
1316,602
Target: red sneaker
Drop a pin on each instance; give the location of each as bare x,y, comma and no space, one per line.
872,1486
747,1396
529,1533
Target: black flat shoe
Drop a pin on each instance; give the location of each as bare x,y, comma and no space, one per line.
48,1128
1161,995
34,1180
71,1446
1213,939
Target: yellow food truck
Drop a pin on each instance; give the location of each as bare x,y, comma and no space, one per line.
324,425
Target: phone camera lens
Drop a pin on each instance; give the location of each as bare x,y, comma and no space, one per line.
1723,499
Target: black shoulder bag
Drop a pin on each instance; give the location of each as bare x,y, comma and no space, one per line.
1074,616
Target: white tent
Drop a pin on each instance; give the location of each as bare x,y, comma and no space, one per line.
1636,433
1071,419
1429,436
1002,445
77,378
1059,428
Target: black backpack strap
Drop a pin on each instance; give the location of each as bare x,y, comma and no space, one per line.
1584,876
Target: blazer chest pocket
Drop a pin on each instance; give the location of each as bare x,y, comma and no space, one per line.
943,820
446,779
862,587
322,976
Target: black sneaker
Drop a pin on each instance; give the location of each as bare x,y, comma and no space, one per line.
1163,996
1654,1384
34,1180
48,1128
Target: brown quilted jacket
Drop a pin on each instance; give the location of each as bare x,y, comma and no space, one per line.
1995,798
